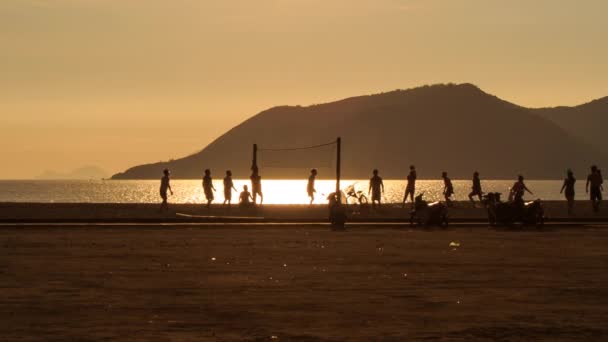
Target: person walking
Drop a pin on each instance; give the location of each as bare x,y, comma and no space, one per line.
410,188
228,187
310,187
256,185
568,186
448,188
165,184
208,187
476,188
594,183
376,188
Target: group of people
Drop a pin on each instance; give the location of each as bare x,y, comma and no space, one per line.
246,198
594,187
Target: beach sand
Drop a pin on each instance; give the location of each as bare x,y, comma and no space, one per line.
123,212
302,283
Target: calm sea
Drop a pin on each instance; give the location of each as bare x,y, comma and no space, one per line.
275,191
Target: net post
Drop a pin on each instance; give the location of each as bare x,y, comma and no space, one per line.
338,192
254,160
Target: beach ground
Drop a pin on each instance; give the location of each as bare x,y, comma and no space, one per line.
302,283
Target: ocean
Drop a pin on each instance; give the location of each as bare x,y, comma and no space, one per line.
275,191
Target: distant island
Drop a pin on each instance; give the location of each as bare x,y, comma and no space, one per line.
85,172
453,127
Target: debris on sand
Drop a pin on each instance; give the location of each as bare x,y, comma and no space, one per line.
454,244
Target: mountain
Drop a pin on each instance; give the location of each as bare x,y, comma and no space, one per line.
587,122
85,172
456,128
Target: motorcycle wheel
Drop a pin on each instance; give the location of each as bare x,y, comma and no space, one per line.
540,221
444,221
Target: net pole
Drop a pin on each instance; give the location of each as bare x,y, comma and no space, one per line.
338,192
254,160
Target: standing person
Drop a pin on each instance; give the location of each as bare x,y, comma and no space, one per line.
376,188
595,181
410,188
228,187
518,189
476,189
208,187
310,188
569,187
165,184
256,184
448,188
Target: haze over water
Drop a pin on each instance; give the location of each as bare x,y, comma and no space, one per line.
275,191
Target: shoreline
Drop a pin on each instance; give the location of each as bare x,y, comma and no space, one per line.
462,212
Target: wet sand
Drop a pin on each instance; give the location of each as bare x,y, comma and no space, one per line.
168,283
99,212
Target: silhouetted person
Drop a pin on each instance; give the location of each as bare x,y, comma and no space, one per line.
594,183
476,188
208,187
518,189
228,187
165,184
410,188
448,188
245,197
376,188
310,187
256,184
569,190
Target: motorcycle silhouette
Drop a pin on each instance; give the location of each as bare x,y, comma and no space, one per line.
518,211
427,214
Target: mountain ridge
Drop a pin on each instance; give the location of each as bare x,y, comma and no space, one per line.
457,128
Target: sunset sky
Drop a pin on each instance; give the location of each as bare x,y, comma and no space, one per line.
116,83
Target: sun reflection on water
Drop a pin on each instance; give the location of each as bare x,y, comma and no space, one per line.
275,191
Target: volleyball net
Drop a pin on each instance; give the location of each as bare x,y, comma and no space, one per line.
319,156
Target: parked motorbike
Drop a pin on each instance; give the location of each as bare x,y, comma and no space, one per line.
427,214
508,213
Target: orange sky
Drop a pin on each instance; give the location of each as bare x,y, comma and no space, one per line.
117,83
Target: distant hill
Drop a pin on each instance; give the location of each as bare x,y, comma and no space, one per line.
457,128
85,172
587,122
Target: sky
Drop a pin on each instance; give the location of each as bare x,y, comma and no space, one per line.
117,83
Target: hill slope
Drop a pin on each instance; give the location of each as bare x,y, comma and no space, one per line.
457,128
587,122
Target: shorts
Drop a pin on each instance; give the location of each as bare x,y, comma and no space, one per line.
163,195
311,192
376,197
410,189
256,190
227,195
449,192
595,194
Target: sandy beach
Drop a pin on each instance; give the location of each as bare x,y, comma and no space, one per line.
114,212
169,283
